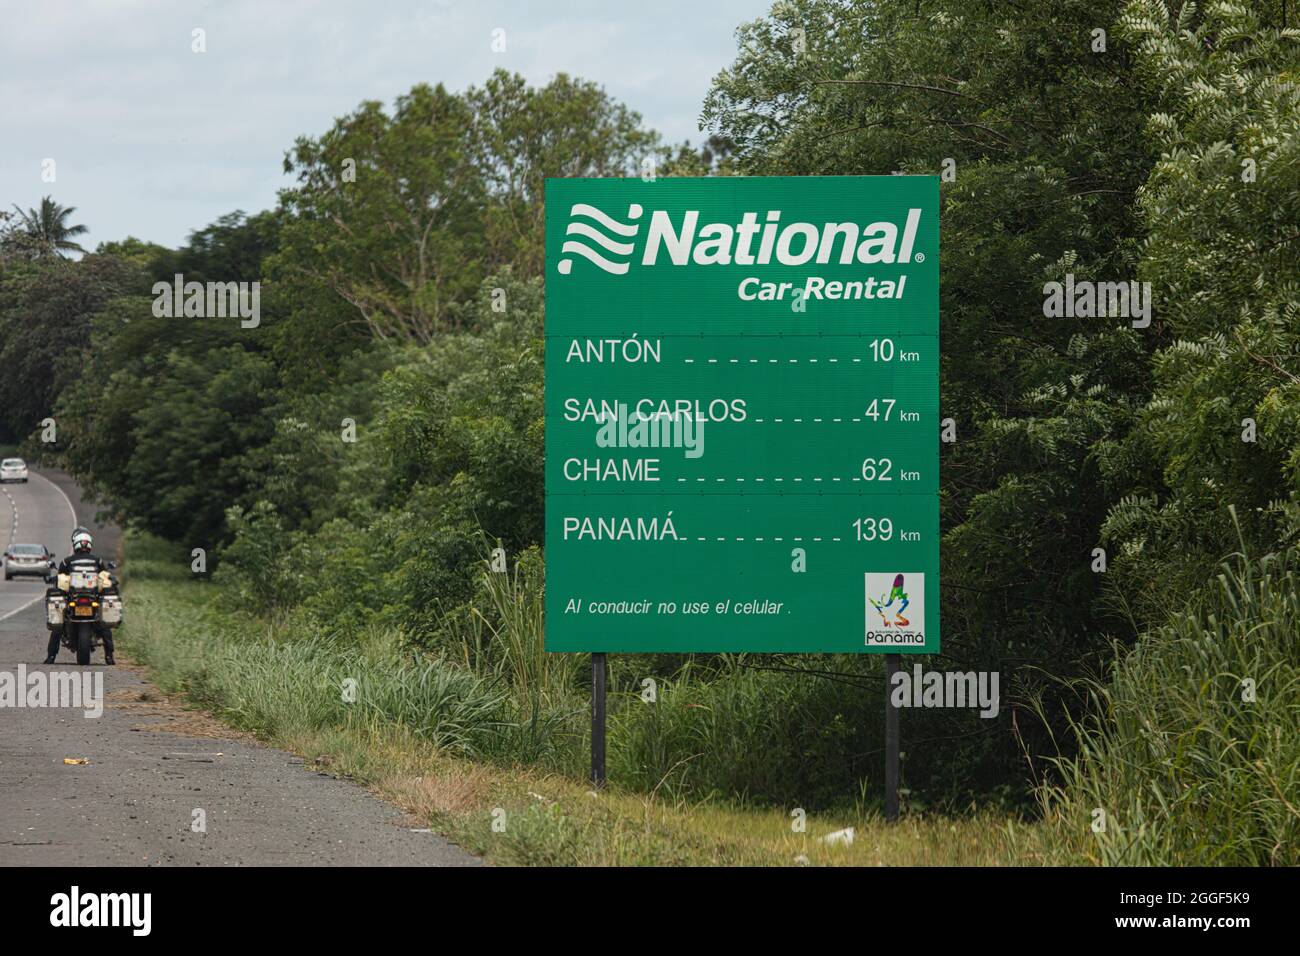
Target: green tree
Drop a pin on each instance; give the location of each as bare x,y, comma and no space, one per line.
164,416
183,432
1222,208
523,135
401,216
1037,137
385,213
47,309
48,227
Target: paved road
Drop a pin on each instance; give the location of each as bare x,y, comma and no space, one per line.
150,765
34,513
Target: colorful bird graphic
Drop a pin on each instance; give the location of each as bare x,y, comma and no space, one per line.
882,606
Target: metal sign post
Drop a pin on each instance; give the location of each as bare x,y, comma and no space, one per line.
891,739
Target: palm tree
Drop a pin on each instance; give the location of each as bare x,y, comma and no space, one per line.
48,227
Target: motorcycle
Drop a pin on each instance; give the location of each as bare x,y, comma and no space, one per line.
80,604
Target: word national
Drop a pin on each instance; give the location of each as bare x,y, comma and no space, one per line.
720,243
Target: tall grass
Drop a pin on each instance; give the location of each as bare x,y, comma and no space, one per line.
720,730
732,732
511,611
502,638
415,715
1177,764
1192,755
279,679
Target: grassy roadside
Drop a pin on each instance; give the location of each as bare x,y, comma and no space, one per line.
420,736
1191,753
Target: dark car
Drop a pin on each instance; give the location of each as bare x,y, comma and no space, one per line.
30,559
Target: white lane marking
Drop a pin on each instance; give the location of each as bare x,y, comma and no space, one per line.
13,530
66,500
71,510
5,617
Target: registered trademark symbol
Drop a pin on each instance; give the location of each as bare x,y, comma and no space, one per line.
920,257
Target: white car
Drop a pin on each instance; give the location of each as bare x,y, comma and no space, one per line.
33,560
13,469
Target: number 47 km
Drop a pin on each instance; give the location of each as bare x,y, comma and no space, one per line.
884,408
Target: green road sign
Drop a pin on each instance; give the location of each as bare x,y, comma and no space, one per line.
742,414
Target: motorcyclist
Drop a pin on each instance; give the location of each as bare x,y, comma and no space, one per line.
83,558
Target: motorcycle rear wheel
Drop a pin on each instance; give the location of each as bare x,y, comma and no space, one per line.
84,644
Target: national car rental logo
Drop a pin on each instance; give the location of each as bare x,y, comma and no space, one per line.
581,217
609,243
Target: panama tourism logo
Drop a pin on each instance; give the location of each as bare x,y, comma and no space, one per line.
895,609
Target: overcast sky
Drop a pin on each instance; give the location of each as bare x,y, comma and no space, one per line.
152,140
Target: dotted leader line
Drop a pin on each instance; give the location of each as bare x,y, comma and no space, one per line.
775,480
776,538
771,361
802,420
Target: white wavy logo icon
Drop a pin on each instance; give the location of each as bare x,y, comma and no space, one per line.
586,231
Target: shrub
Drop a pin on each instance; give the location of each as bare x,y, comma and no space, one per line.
1193,752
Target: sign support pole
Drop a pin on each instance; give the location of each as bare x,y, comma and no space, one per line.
891,740
598,720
